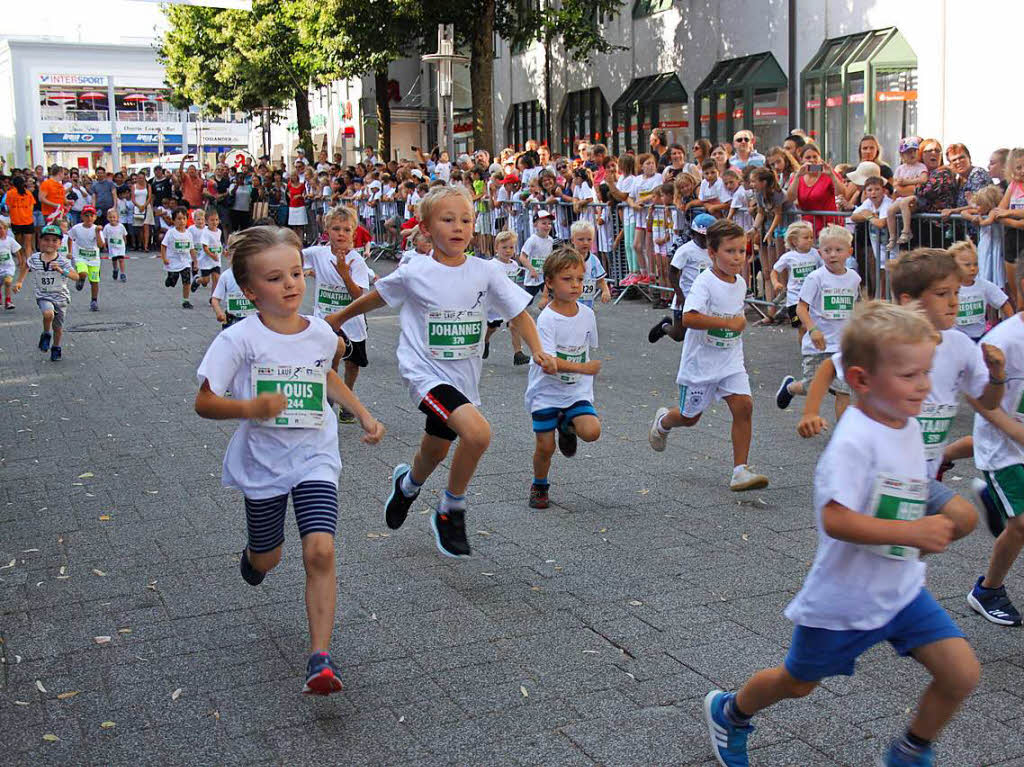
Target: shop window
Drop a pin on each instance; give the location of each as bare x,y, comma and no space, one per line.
895,108
527,120
642,8
770,120
656,101
585,117
728,99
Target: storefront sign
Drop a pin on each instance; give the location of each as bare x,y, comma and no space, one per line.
834,101
76,138
771,112
896,96
68,79
674,124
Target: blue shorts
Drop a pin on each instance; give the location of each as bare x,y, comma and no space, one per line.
547,419
818,653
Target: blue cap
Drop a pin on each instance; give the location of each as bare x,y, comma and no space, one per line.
701,222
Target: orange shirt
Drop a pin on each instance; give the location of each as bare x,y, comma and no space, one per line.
20,206
192,190
54,193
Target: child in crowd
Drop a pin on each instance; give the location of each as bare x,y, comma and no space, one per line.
419,245
867,581
626,185
197,231
50,272
990,234
341,277
178,252
444,300
504,259
126,215
642,192
115,237
824,307
209,251
1010,213
711,366
770,203
910,173
563,401
581,237
977,294
661,233
800,259
874,213
689,260
86,243
712,196
276,365
9,248
537,248
604,213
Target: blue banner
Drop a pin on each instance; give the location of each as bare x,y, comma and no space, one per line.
77,139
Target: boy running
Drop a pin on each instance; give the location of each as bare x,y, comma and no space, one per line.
178,252
50,272
86,243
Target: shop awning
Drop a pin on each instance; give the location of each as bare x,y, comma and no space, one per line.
880,48
664,88
758,71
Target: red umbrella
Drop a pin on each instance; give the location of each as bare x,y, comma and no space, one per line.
136,97
92,96
61,96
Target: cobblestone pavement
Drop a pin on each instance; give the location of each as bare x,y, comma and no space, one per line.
584,634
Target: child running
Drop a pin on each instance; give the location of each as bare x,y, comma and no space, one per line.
178,252
536,248
800,259
825,306
341,277
9,247
444,300
277,366
209,250
115,236
504,259
50,271
977,294
711,365
689,260
229,301
86,243
563,401
867,581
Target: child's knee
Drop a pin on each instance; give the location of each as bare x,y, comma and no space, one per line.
587,429
318,552
48,315
545,448
265,561
476,436
959,682
742,406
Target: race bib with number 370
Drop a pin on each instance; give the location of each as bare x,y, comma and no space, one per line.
902,499
305,389
454,334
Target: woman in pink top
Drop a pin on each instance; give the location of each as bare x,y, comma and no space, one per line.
815,187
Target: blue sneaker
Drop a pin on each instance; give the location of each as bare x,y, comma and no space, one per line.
782,396
993,604
321,675
398,505
728,741
899,757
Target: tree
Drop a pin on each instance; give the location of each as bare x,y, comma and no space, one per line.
232,59
352,38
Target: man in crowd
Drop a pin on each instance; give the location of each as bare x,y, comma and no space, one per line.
51,193
104,191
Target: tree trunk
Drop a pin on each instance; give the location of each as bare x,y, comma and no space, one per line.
380,87
481,73
304,123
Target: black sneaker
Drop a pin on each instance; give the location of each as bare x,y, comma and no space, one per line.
168,281
538,496
520,359
658,331
487,350
250,574
398,505
80,284
983,498
567,441
782,396
44,341
321,675
993,604
124,277
114,275
187,305
450,532
55,354
195,285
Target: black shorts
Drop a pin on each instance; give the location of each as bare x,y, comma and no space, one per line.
355,353
172,277
1013,244
794,320
208,272
23,228
439,404
494,323
115,258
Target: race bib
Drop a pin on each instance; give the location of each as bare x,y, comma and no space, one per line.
801,271
971,312
331,298
902,499
590,290
48,281
5,256
837,303
454,334
88,254
303,387
935,421
720,338
215,250
183,246
571,354
238,305
116,245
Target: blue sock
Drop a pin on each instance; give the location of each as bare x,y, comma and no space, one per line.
732,713
451,502
540,482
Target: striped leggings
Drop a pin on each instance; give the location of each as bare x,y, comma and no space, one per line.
316,511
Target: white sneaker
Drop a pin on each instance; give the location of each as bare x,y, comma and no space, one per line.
656,437
744,479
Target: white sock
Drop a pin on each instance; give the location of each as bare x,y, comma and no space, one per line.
737,469
409,486
661,429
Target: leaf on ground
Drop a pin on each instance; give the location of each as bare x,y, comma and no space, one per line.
107,725
22,703
124,631
50,738
524,691
635,602
101,640
373,535
536,588
104,517
603,530
12,563
645,491
39,686
176,694
86,475
745,537
66,695
151,586
100,573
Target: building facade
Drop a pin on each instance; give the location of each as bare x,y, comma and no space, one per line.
83,105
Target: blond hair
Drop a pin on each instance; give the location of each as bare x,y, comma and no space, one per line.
563,257
877,326
581,225
249,243
990,196
796,228
836,233
962,246
343,212
434,197
502,237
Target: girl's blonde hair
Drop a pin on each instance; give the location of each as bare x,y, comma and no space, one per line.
835,233
563,257
990,196
795,229
439,193
582,225
962,246
1017,153
502,237
341,212
249,243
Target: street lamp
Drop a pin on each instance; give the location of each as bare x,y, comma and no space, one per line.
444,58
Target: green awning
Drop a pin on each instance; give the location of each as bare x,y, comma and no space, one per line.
663,88
880,48
759,70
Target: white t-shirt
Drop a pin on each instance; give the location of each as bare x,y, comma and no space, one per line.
641,192
263,461
330,294
442,320
974,299
627,185
741,205
8,247
690,259
569,338
211,239
712,355
798,265
992,448
869,207
510,270
233,300
830,299
443,171
83,244
537,249
714,191
198,235
852,586
593,270
180,250
114,237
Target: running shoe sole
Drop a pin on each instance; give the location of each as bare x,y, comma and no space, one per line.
754,483
437,540
396,478
324,682
993,519
978,608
